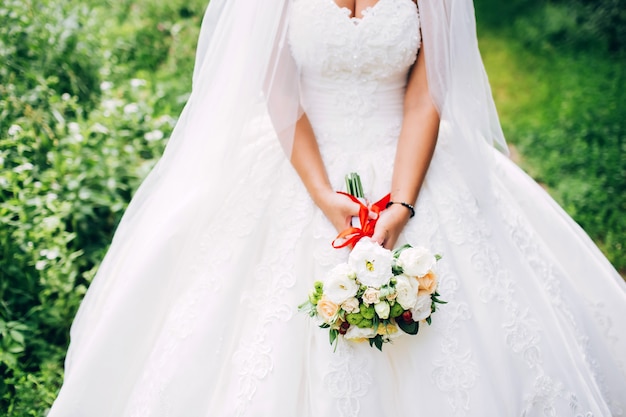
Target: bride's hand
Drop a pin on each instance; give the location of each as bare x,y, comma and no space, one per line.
338,208
390,224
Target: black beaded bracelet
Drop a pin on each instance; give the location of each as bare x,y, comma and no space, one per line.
403,204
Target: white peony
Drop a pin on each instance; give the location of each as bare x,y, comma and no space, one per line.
371,262
382,309
416,261
406,288
351,305
355,333
340,284
422,308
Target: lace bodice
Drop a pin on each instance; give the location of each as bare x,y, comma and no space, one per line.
328,43
353,70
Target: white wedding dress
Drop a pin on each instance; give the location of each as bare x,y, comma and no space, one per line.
534,324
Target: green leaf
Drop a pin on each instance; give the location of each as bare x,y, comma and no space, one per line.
409,328
332,334
378,341
438,301
398,251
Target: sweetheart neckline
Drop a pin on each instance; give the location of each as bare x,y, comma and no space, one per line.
345,12
356,21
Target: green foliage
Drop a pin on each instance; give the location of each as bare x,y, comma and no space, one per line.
579,150
574,23
559,81
87,99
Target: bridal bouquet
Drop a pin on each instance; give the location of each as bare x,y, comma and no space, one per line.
378,294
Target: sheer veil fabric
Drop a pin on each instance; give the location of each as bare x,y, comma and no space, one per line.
245,99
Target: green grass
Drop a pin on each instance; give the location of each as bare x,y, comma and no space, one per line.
561,107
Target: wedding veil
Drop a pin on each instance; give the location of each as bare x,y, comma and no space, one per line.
244,78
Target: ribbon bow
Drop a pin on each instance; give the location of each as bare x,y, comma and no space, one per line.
353,234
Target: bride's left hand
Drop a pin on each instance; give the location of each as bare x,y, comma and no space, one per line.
389,225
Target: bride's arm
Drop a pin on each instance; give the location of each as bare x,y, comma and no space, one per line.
416,145
307,160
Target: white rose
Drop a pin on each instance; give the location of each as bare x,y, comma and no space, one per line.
382,309
406,288
416,261
351,305
371,296
371,262
355,333
422,308
340,284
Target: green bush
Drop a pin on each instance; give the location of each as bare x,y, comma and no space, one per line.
87,99
50,45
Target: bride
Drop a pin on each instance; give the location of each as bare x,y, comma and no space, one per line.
194,309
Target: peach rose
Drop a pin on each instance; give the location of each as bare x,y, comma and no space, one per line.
327,310
427,284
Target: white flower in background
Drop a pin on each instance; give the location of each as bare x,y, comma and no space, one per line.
356,333
153,135
371,296
50,253
422,308
416,261
351,305
51,222
99,128
165,119
106,85
131,108
73,127
406,288
382,309
340,284
137,82
110,105
14,130
24,167
371,262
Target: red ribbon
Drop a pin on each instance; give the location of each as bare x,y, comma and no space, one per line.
353,234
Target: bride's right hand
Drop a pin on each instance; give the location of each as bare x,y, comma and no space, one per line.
338,209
